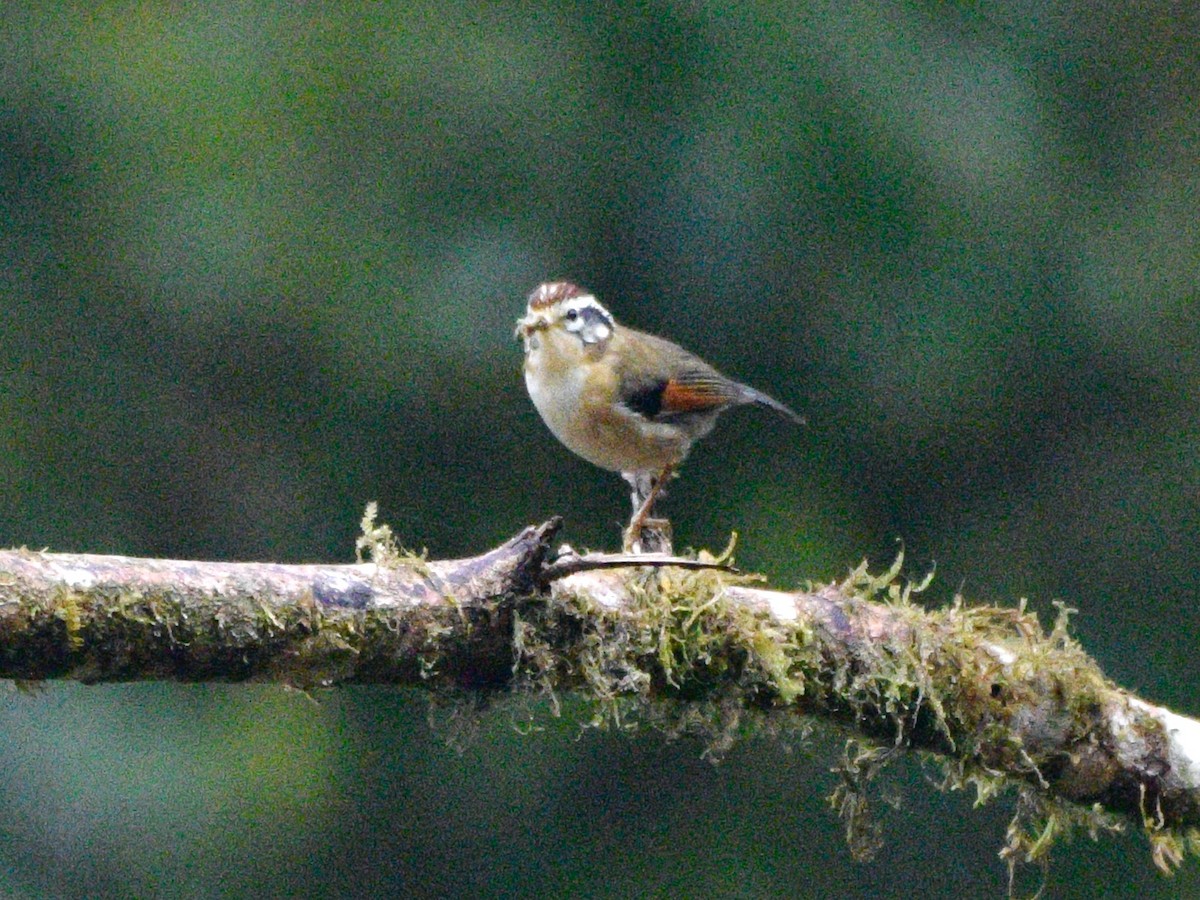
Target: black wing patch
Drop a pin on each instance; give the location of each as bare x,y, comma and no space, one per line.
647,400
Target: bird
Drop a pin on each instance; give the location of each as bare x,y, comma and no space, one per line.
624,400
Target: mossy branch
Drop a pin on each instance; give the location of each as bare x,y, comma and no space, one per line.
987,690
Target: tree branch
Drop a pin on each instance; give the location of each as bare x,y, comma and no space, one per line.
987,689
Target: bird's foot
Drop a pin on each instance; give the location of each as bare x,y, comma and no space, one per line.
647,535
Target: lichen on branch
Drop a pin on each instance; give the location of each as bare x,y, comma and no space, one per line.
995,697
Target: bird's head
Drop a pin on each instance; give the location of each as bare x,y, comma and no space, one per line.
567,316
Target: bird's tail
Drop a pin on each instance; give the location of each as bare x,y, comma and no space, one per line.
753,396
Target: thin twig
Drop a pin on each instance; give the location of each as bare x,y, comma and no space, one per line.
571,563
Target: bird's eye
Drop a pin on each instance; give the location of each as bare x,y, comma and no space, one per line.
572,315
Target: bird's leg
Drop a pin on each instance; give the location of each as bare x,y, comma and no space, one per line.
646,534
640,484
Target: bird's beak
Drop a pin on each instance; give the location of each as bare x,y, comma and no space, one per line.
532,321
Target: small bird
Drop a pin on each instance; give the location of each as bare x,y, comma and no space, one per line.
624,400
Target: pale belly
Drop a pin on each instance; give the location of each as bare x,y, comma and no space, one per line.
606,436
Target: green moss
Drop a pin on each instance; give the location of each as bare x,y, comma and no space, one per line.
1040,821
67,609
380,546
861,762
680,641
995,694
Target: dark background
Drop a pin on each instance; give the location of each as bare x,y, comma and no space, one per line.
260,264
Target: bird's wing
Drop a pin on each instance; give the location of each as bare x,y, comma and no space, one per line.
676,383
668,382
665,397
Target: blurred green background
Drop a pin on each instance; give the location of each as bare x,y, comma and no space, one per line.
260,264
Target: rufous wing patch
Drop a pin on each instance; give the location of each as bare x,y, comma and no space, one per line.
695,396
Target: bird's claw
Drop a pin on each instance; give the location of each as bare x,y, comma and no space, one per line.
647,535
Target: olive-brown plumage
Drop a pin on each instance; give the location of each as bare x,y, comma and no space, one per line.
624,400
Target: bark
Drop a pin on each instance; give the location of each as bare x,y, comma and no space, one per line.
998,698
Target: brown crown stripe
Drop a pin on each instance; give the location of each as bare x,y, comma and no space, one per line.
552,292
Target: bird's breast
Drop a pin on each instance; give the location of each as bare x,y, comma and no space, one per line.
578,403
